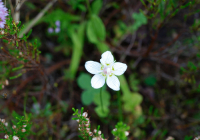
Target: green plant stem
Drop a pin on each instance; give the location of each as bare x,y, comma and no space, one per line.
88,5
119,106
101,100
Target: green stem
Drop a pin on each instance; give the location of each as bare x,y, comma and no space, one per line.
119,106
88,5
101,100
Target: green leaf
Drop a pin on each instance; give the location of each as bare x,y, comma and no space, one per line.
95,30
30,5
139,20
105,98
59,15
96,6
87,97
77,39
150,80
102,112
131,101
84,81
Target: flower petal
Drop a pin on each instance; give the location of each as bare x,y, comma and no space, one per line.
97,81
113,82
93,67
107,58
119,68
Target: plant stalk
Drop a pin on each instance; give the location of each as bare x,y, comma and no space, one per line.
101,100
119,106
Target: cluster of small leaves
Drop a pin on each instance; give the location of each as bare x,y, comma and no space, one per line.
121,131
84,126
83,121
90,95
16,53
20,128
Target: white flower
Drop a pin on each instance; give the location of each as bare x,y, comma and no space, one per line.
23,130
6,136
6,123
85,114
106,71
126,133
3,120
24,125
99,132
15,138
14,126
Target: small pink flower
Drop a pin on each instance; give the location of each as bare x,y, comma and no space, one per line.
3,14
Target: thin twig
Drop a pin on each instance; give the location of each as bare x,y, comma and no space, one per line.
37,18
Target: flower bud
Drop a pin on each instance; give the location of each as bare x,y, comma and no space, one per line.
6,136
85,114
14,126
3,120
95,130
90,133
115,129
23,130
15,138
88,130
6,82
6,123
24,125
126,133
87,125
99,132
78,120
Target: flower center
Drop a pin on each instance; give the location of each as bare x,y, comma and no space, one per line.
107,71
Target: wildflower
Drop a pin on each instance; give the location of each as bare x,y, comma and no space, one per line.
23,130
99,132
106,71
15,138
126,133
3,120
88,129
87,119
90,133
97,138
78,120
6,82
57,30
87,125
6,136
50,30
24,125
6,123
85,114
14,126
95,130
57,23
3,14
